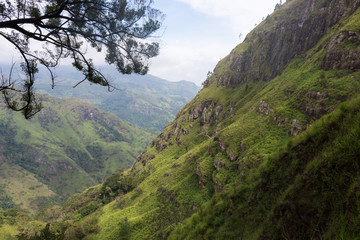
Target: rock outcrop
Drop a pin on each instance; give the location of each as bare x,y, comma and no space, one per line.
339,58
208,111
269,50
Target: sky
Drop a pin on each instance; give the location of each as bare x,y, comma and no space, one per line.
195,35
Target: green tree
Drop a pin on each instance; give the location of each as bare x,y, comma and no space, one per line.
121,27
278,5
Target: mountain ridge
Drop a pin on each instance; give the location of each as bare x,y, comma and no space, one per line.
147,101
272,53
246,158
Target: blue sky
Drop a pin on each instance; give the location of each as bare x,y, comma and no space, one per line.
195,35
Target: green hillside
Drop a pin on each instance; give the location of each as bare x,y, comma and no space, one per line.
268,149
68,146
308,189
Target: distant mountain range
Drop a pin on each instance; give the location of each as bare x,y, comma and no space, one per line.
146,101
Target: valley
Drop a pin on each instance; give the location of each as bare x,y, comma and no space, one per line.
147,101
69,145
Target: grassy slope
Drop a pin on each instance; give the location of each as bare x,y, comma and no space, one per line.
183,176
307,186
66,147
240,154
22,186
308,189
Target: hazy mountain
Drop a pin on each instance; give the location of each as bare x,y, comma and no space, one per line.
146,101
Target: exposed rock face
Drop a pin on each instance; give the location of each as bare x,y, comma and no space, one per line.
160,145
195,112
144,158
208,110
201,176
312,105
216,114
316,95
173,131
264,108
218,164
231,155
272,49
227,113
295,128
165,138
338,58
279,120
200,110
185,131
204,116
223,149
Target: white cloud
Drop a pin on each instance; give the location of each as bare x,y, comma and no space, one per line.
190,61
190,55
199,33
230,8
217,8
243,14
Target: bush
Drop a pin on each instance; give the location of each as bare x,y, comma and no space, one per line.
88,209
118,183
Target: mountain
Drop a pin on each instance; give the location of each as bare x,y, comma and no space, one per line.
268,149
66,147
147,101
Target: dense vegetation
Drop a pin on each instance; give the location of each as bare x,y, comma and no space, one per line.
62,29
69,145
308,189
268,149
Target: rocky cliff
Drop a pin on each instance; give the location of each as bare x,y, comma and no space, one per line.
290,31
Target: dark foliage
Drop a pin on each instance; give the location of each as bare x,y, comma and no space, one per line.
63,26
117,184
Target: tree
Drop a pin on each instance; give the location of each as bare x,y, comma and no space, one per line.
278,5
122,27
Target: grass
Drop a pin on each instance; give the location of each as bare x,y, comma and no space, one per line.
22,186
64,149
8,232
317,172
187,168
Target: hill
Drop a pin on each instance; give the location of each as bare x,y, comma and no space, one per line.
68,146
147,101
268,149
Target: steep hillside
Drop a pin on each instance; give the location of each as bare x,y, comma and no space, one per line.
69,145
308,189
252,155
146,101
